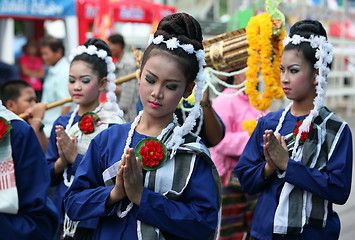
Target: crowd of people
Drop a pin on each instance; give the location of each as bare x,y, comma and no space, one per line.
135,166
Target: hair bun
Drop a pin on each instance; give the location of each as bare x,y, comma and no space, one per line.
99,43
182,26
307,27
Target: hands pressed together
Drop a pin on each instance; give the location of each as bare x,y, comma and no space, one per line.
67,149
129,180
275,152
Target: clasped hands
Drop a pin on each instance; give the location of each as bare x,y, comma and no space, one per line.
67,146
129,180
275,152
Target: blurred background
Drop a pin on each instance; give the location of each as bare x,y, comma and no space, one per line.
76,20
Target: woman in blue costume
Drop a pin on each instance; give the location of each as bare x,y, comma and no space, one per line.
307,167
90,73
25,210
176,199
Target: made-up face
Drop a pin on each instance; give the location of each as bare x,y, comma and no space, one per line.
26,100
84,86
297,77
162,85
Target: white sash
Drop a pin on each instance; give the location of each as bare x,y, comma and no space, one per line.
9,202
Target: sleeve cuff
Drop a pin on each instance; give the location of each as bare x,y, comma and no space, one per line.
291,170
150,200
76,163
113,209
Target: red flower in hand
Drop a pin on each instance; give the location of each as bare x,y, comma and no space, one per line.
304,135
5,127
152,153
87,122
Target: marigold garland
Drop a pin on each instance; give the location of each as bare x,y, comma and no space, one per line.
249,125
259,35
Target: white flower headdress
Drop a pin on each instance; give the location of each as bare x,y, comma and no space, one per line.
173,43
324,57
111,104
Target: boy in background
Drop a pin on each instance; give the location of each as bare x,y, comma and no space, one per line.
19,97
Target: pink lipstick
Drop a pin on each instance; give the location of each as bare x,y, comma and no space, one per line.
154,104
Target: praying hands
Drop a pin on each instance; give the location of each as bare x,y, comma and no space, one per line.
276,153
128,180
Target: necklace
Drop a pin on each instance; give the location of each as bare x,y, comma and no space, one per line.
128,143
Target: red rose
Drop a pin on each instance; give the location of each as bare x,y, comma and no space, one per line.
3,127
304,135
86,124
152,153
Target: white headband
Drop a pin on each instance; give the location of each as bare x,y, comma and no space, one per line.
111,104
173,43
324,57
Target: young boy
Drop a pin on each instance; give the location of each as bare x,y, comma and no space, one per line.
25,210
19,97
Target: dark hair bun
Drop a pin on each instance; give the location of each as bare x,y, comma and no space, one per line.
182,26
99,43
307,27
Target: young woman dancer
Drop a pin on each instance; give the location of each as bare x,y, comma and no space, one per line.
91,71
308,165
176,199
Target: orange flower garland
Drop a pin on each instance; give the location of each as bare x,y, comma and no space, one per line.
259,35
249,125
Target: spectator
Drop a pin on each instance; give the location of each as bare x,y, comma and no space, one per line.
125,64
31,67
55,83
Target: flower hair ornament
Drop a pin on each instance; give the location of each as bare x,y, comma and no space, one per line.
111,104
180,131
324,58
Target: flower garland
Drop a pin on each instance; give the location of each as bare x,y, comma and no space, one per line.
249,126
260,50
